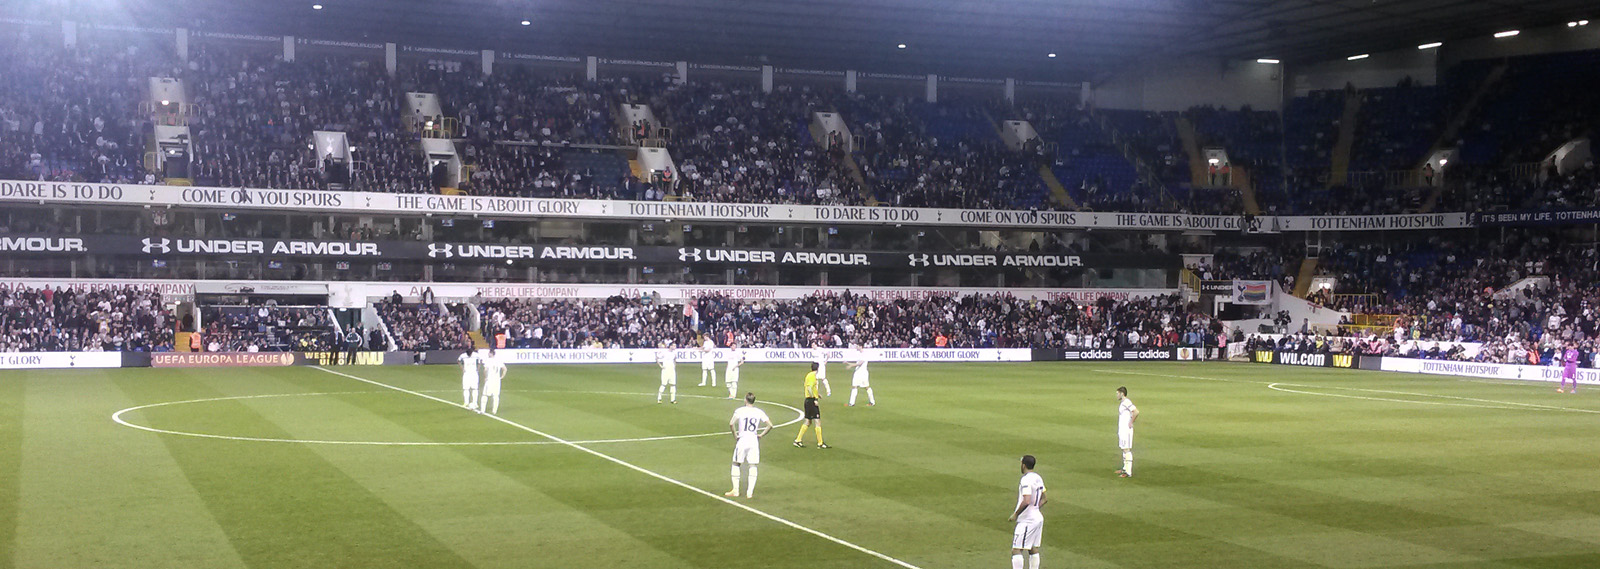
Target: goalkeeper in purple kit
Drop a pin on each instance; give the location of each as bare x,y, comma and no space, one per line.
1569,369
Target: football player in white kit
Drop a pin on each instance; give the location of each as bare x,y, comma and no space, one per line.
731,376
494,370
748,424
859,380
469,379
820,356
1127,413
667,358
708,361
1030,521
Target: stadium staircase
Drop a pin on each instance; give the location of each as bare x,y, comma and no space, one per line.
1243,179
1340,170
1302,281
1191,148
854,170
1189,285
1447,136
1057,191
478,341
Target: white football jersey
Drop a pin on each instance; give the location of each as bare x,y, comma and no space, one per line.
668,357
821,358
469,364
1125,413
747,422
735,359
861,360
1033,486
493,366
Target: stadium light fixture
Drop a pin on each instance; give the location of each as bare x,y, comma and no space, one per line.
316,6
1443,161
527,22
165,102
1358,57
1268,61
1430,45
1507,34
901,46
1052,55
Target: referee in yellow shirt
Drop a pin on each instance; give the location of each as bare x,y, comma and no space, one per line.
813,413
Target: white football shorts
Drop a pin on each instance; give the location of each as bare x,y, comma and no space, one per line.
1027,535
747,451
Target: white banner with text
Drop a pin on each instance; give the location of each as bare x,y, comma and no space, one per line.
419,204
1485,370
764,355
60,360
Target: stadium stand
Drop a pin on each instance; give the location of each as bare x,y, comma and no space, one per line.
423,327
978,321
268,328
109,320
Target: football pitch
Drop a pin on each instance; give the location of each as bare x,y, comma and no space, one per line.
1237,466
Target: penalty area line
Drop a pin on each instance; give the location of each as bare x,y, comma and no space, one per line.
636,468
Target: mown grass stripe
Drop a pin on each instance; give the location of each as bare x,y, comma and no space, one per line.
285,506
12,406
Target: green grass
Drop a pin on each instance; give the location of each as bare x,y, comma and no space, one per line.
1401,471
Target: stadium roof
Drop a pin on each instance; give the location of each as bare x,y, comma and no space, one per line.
951,37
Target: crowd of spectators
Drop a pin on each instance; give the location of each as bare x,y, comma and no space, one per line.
267,328
1462,291
978,321
1262,264
255,115
1490,189
424,326
67,320
919,154
71,115
734,143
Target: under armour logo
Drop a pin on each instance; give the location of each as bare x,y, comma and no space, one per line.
688,254
441,250
919,260
155,245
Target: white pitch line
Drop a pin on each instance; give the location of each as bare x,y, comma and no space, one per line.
117,417
639,469
1276,387
1272,385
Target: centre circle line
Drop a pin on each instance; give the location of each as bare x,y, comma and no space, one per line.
118,418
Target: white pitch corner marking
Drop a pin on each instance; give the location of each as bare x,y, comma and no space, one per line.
639,469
